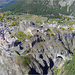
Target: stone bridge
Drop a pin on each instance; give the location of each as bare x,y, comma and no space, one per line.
59,55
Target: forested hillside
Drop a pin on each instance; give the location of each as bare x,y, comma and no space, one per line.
38,7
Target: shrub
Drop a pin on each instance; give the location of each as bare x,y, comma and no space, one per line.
41,40
26,60
63,29
56,71
23,60
51,33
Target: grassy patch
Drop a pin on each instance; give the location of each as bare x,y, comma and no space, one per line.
26,60
21,36
69,66
56,71
23,60
13,24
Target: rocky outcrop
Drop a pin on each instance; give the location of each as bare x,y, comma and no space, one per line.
42,58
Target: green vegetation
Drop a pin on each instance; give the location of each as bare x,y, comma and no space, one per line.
72,8
63,28
26,60
7,13
41,46
7,71
13,51
74,31
70,29
33,18
38,22
28,36
56,71
37,7
69,67
51,33
13,24
65,22
21,36
6,16
0,52
41,40
23,60
15,18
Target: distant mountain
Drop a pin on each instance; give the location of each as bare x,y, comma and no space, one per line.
42,7
4,3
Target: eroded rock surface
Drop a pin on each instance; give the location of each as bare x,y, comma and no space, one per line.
43,56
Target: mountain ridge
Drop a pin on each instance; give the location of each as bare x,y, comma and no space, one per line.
5,1
41,7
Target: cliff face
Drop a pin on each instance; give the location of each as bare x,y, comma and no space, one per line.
62,3
42,58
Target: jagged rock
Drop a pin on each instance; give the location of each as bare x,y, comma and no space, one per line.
44,55
74,42
49,72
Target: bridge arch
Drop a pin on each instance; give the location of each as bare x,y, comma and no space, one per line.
60,56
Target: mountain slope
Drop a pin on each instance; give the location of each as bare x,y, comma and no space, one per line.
41,7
